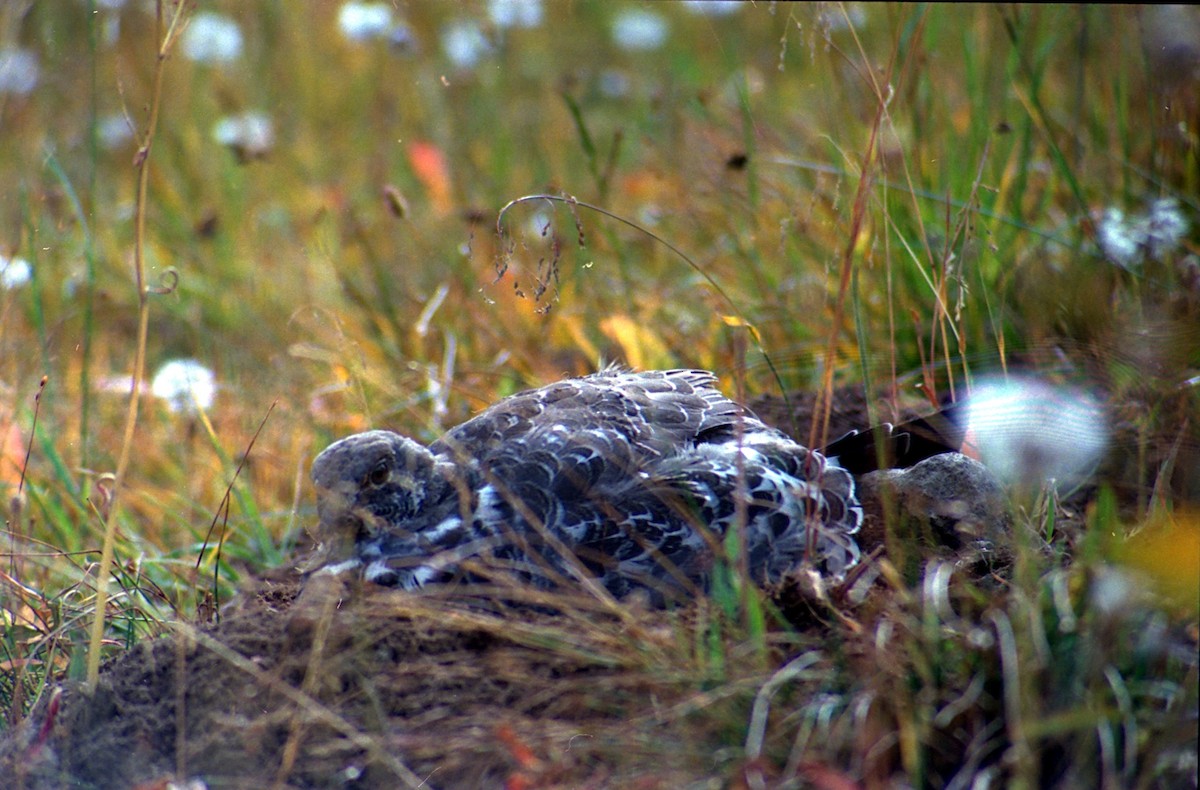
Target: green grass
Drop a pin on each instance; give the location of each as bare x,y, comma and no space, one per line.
945,163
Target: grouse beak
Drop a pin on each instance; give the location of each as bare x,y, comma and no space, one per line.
337,525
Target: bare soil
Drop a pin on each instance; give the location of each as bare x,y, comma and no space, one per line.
334,687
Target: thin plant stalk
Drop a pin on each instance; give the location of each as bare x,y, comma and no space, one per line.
142,163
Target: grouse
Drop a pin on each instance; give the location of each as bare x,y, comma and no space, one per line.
631,479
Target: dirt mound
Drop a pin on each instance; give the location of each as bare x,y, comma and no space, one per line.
332,687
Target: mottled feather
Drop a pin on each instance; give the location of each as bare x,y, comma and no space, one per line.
632,479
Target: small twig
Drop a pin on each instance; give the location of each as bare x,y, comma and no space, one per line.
222,513
37,405
16,502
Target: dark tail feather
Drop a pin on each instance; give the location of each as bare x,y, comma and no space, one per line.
900,446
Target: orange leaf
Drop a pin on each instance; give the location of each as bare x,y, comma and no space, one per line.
643,348
430,167
12,455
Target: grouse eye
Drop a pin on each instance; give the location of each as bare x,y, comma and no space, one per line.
379,475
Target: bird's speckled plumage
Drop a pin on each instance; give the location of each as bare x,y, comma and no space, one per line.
630,478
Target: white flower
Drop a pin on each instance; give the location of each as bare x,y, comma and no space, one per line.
114,131
635,29
251,134
14,272
185,384
212,38
615,84
365,21
540,224
1115,240
1029,432
515,13
1156,234
18,71
465,44
713,7
841,17
402,39
1164,228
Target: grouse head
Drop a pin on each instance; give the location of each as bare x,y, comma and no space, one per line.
378,495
